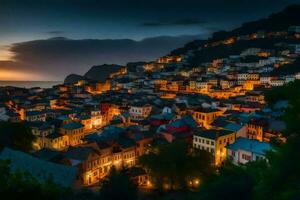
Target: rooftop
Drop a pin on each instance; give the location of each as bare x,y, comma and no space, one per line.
72,125
254,146
212,134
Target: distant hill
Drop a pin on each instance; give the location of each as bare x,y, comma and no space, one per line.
275,22
101,72
96,73
72,79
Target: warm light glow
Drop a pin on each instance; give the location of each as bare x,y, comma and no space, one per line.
11,75
149,184
6,54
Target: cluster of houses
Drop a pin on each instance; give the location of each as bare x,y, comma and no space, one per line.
218,107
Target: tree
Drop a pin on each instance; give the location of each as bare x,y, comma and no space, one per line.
173,166
16,136
20,185
277,179
281,181
233,183
118,185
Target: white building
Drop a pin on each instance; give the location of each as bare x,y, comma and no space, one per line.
265,79
289,79
242,76
246,150
167,110
277,82
139,111
250,52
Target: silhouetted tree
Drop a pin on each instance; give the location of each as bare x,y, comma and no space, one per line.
277,179
118,185
16,136
173,166
19,185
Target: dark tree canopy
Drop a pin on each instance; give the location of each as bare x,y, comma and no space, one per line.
16,136
279,179
118,185
173,166
19,185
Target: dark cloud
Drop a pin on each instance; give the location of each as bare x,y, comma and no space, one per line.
23,20
182,22
110,19
59,56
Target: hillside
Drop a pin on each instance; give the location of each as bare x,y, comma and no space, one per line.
275,22
96,73
101,72
72,79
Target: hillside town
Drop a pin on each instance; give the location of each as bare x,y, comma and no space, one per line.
84,127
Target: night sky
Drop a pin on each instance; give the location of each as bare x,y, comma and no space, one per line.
48,39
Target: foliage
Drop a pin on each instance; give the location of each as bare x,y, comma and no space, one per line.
172,166
287,69
118,185
290,92
276,22
233,182
16,136
210,53
279,179
282,179
19,185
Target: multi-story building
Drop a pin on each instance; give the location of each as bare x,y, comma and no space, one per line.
168,59
32,116
140,111
205,116
97,119
215,142
95,160
246,150
255,129
74,131
277,82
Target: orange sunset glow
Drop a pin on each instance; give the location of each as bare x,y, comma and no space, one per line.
5,54
12,75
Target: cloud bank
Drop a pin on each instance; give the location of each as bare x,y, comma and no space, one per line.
57,57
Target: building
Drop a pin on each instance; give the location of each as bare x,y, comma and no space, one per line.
32,116
168,59
94,160
86,121
140,111
206,116
97,119
215,142
255,129
89,162
277,82
99,87
246,150
74,131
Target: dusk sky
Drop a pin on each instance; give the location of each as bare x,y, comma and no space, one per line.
49,39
